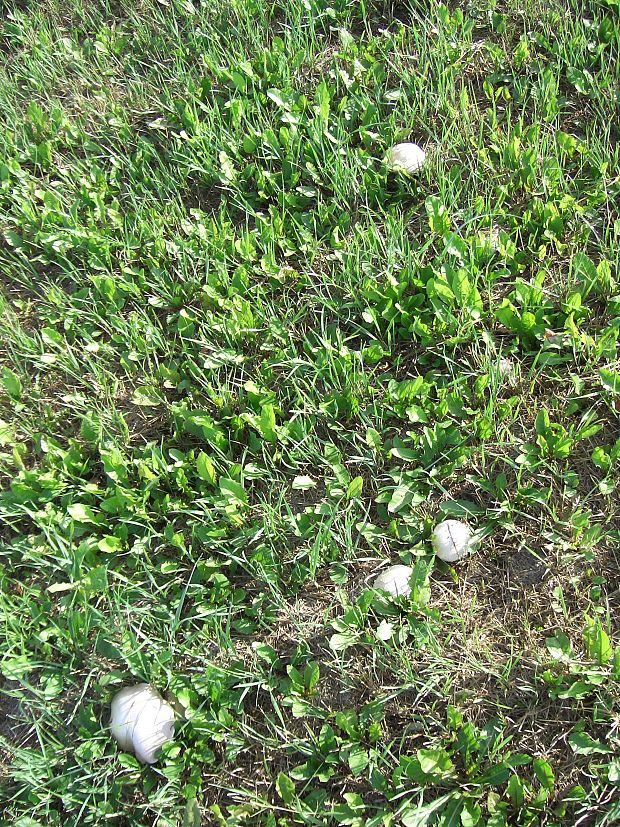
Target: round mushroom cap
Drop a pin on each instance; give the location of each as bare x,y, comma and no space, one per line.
407,157
451,540
141,721
154,728
126,708
395,581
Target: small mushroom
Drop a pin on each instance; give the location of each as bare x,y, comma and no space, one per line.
395,581
452,540
141,721
505,367
407,157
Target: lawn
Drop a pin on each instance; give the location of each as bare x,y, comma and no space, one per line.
246,365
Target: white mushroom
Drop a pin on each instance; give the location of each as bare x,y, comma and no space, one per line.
490,239
504,367
141,721
395,581
452,540
407,157
507,369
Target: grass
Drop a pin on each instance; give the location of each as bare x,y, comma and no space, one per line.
244,367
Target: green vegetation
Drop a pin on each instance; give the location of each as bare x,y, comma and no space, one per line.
244,367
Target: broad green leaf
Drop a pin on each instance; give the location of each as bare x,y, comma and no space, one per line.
109,544
358,759
90,429
542,422
420,815
58,588
457,246
471,814
578,689
601,458
354,489
450,815
436,762
597,641
15,668
515,791
6,434
341,642
400,451
460,508
202,425
192,816
233,490
410,768
114,463
12,384
265,652
438,216
205,468
303,483
370,532
267,422
373,439
438,286
286,788
301,708
338,573
461,287
227,167
568,143
276,96
312,673
420,583
97,580
323,98
613,771
544,773
51,336
496,775
374,353
589,430
559,647
519,759
82,513
147,397
401,497
610,380
582,744
415,413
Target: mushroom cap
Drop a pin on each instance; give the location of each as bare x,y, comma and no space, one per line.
504,367
126,707
407,157
451,540
141,721
154,728
395,581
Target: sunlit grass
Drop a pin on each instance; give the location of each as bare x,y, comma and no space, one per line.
245,366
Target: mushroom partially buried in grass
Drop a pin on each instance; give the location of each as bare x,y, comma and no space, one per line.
395,581
507,371
406,158
141,721
452,540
